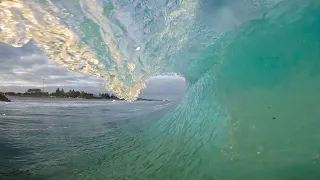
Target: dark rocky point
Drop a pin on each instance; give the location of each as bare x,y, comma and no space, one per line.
4,98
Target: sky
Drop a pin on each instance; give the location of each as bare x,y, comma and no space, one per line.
27,67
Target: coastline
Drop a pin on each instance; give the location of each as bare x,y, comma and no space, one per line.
56,98
71,99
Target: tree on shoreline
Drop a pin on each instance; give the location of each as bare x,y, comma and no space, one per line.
58,92
62,92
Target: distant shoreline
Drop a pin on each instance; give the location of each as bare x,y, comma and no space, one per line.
67,95
75,99
56,98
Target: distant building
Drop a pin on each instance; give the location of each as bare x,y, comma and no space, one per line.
34,91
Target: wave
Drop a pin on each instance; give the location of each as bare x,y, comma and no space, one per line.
251,68
123,42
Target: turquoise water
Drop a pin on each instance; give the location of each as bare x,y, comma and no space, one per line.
251,110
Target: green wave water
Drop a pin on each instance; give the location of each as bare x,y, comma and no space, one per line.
251,111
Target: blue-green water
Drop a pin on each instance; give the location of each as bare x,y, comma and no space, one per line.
67,139
251,111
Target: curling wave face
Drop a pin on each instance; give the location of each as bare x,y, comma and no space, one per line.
123,42
117,41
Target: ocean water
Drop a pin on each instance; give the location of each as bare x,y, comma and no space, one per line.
251,108
68,139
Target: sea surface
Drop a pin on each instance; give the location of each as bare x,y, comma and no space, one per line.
67,139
